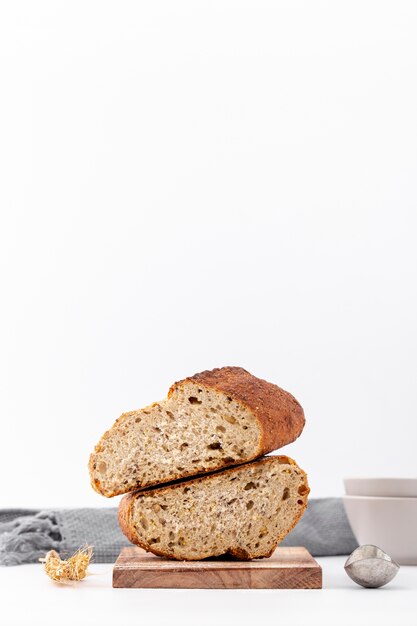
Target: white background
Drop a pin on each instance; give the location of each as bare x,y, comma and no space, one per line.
187,185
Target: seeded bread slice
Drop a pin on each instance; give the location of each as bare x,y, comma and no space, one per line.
244,511
212,420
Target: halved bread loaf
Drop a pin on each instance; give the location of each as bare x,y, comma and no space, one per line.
244,511
209,421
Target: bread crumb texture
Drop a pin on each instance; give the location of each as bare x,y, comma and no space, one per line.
208,422
244,511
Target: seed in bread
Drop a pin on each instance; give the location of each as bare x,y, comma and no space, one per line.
210,421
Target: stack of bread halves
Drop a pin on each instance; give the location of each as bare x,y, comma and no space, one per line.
193,467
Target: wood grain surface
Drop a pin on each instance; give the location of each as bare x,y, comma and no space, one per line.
287,568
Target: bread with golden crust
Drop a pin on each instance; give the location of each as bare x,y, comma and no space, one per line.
279,414
208,421
243,511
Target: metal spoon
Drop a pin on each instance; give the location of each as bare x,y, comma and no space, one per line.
370,566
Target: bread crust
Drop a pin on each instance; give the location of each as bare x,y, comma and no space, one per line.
127,502
279,415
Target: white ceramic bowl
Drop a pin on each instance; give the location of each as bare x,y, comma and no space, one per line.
381,487
389,523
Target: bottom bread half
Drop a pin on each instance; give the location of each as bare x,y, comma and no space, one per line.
244,511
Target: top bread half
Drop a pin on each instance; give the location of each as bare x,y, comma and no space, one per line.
209,421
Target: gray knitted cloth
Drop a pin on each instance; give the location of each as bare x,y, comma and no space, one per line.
27,534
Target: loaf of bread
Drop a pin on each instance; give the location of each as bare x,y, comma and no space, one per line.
209,421
243,511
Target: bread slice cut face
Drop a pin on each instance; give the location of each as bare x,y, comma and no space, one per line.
209,421
243,511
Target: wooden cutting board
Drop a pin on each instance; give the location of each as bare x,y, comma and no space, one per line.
287,568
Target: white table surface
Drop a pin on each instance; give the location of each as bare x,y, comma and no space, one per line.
28,597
